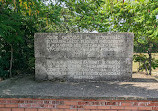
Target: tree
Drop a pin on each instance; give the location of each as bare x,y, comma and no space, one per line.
22,18
19,21
139,18
10,31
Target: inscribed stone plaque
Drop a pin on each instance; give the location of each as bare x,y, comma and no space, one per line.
83,56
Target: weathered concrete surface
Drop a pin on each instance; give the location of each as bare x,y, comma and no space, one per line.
84,56
139,88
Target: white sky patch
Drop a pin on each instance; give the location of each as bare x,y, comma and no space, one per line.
94,31
156,16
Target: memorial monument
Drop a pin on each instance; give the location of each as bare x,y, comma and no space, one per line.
83,56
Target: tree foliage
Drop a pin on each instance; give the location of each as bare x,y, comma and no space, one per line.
20,19
138,17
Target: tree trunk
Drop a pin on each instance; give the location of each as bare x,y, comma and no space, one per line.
11,60
139,67
150,57
146,69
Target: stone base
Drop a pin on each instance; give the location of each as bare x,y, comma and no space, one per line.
71,79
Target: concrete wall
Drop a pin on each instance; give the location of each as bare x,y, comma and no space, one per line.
83,56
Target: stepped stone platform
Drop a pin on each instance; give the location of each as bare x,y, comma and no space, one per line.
141,87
